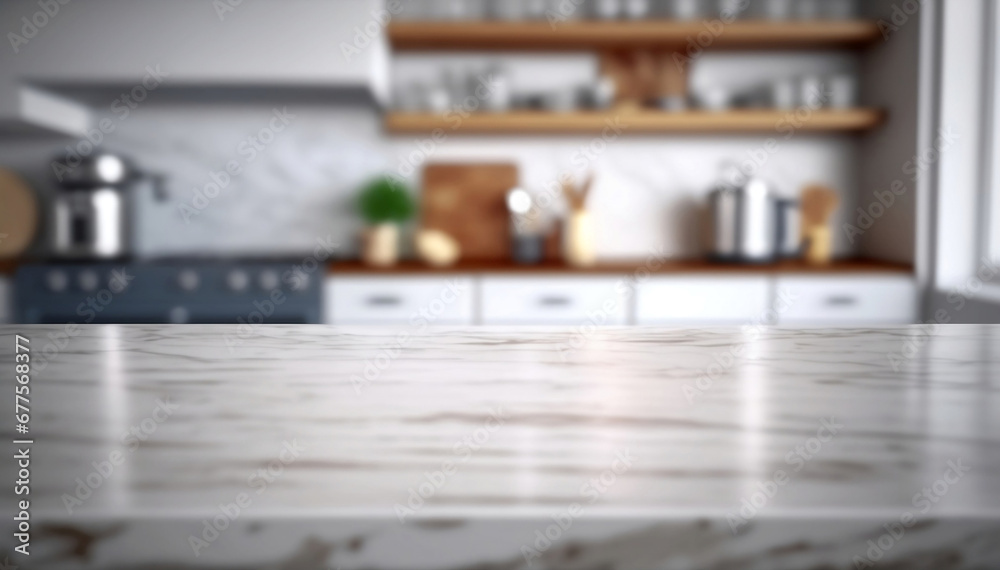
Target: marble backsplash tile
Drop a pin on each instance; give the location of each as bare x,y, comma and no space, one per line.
300,165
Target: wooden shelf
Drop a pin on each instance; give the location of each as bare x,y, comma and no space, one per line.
682,267
637,122
669,34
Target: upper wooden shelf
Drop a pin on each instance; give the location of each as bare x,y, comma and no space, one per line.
667,34
638,122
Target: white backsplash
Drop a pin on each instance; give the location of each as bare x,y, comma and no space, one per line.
648,190
301,186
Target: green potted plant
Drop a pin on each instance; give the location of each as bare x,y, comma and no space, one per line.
384,203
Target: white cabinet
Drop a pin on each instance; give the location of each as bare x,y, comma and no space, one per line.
442,300
554,300
702,300
672,300
861,300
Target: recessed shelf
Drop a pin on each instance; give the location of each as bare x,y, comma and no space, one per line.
666,34
637,122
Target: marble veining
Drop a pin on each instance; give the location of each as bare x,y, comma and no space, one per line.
661,436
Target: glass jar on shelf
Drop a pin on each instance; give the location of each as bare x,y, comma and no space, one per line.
685,9
841,9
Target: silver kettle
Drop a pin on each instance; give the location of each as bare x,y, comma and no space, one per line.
743,220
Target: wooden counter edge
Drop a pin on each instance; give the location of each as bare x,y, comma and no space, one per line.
638,267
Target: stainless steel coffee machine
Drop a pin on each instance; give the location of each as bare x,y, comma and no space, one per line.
91,213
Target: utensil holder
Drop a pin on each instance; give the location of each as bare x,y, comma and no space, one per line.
819,245
579,239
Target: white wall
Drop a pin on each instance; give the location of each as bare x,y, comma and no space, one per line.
890,80
293,41
301,185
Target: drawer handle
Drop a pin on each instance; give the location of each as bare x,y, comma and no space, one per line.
384,301
554,301
842,301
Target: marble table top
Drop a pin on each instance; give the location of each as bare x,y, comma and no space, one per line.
390,426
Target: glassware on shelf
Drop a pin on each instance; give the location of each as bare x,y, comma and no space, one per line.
811,92
509,10
673,103
637,9
456,84
808,9
843,91
535,9
776,10
599,94
497,96
476,9
716,99
468,88
564,10
561,100
604,92
411,97
438,99
607,9
685,9
415,10
733,9
460,9
446,9
841,9
783,94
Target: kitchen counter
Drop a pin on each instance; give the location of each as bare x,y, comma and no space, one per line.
653,266
319,447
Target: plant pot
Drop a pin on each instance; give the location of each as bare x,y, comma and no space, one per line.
579,239
380,245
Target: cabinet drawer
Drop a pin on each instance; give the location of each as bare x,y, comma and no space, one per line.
848,300
403,300
707,300
553,300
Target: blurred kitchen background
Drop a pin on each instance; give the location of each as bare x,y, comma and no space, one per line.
572,162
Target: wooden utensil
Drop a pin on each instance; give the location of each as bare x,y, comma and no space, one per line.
576,198
818,205
18,215
468,202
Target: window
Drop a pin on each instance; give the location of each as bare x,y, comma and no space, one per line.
992,160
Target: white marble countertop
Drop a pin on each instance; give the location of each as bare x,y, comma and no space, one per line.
636,426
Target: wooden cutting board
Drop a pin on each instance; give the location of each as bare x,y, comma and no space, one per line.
468,201
18,215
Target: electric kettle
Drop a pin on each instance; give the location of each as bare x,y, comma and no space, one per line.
743,219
